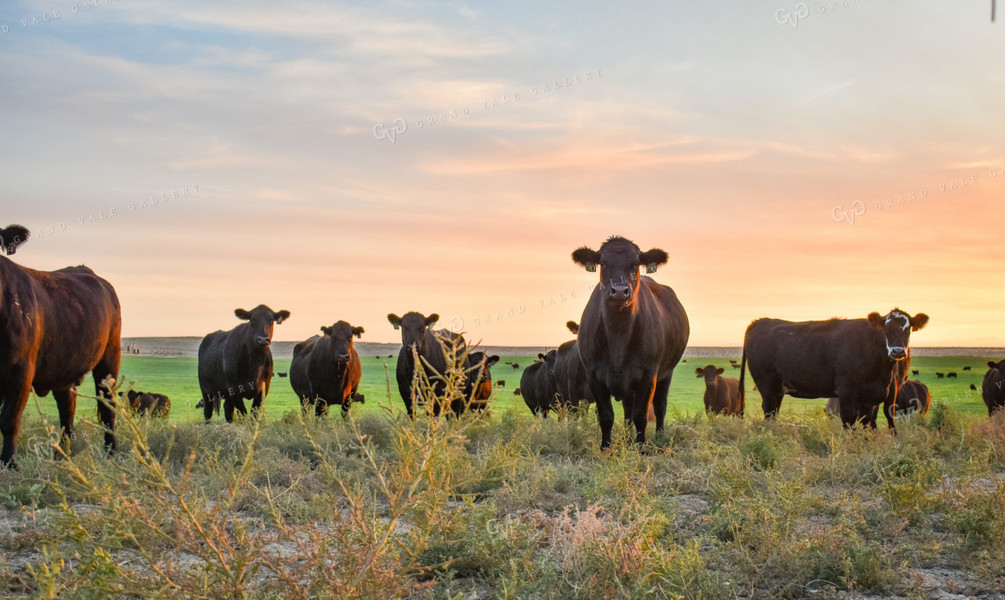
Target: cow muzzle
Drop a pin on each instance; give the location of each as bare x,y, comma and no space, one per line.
342,358
263,341
619,292
898,352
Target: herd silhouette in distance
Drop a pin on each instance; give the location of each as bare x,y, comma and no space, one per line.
628,341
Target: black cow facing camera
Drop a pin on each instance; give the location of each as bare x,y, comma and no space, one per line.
326,369
236,365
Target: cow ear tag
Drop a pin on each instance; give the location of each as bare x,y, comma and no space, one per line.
591,267
651,268
395,326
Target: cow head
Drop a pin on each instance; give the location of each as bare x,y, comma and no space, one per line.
340,337
619,261
12,237
413,328
710,373
261,320
999,366
896,328
480,358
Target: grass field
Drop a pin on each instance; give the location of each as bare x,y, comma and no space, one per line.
177,377
506,505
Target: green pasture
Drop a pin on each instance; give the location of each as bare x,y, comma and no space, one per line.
177,378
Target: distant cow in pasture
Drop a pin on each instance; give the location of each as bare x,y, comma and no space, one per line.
991,389
56,327
515,365
517,392
537,384
940,375
967,368
952,375
973,387
501,383
148,404
326,369
631,336
236,365
281,375
914,372
912,397
853,360
722,395
479,378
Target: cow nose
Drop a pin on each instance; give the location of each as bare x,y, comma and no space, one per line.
343,357
263,341
620,291
898,353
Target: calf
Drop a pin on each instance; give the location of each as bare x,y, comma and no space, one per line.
853,360
236,365
149,405
722,395
991,389
631,336
57,326
326,369
537,384
912,397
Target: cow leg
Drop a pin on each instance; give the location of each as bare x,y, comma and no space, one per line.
208,403
107,368
660,395
16,387
771,398
320,407
228,409
256,404
66,402
605,412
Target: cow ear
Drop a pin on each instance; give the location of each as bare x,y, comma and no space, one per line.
992,364
653,258
918,321
586,258
242,314
540,356
431,320
358,331
699,371
394,320
491,360
326,330
876,320
12,237
720,370
573,327
280,316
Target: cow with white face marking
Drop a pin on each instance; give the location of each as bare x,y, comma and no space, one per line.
851,359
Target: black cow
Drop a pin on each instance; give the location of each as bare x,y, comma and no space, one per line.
56,327
912,397
572,384
537,384
966,368
952,375
939,375
236,365
991,389
631,336
283,375
438,352
326,369
148,404
914,372
479,378
973,387
851,359
501,383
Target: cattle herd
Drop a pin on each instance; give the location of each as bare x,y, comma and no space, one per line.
60,325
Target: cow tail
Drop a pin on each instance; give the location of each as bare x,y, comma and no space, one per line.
743,371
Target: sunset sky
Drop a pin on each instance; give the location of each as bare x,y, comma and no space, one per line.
764,144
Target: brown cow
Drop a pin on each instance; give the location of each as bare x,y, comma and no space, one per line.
722,394
57,327
148,404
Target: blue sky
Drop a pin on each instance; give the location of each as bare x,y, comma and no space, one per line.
730,134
